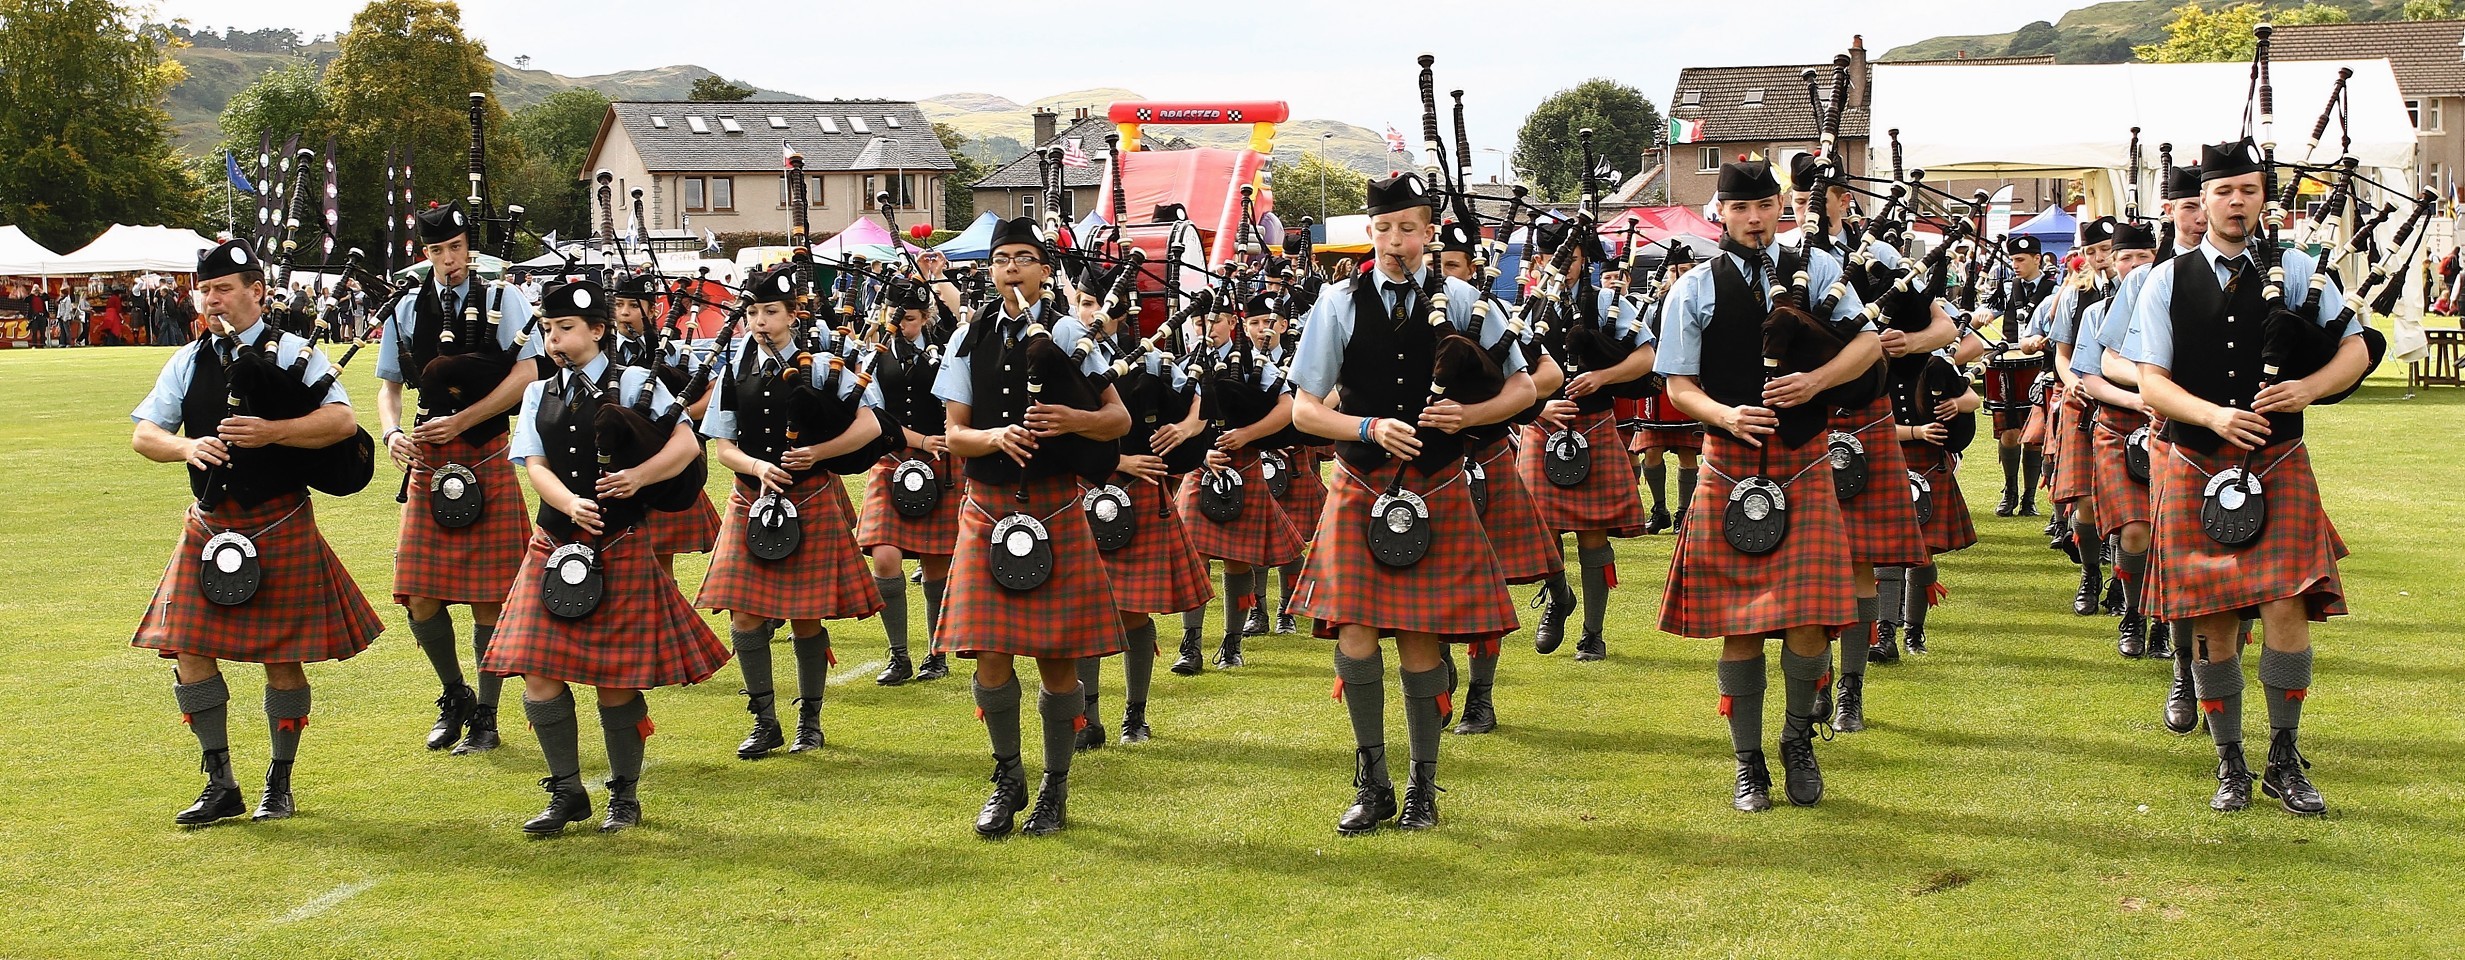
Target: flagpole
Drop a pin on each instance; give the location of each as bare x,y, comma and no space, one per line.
230,226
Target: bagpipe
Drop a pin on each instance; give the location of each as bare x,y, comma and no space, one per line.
1797,322
824,405
467,362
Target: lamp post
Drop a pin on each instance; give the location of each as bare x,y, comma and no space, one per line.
1501,161
1323,138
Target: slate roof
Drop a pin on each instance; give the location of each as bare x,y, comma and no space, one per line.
2429,55
1722,95
1021,173
856,137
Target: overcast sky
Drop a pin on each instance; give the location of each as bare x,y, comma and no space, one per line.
1332,60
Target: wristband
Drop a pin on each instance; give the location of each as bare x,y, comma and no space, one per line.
389,434
1365,425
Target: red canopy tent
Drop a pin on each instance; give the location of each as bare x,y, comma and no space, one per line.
1654,224
1205,181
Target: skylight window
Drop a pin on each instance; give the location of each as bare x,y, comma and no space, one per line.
659,123
857,124
697,124
730,125
778,123
828,125
1754,97
891,122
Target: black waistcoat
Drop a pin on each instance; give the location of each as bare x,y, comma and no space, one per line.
760,401
1731,368
1585,345
566,431
253,476
905,375
429,319
1386,372
998,376
2217,344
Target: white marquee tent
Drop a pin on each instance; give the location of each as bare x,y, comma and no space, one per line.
127,249
20,256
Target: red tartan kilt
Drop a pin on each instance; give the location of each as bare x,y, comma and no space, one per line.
1951,528
2190,575
2120,499
1716,591
1607,499
1306,496
1527,551
2075,470
642,634
1156,572
1260,536
1071,615
825,579
307,609
931,535
2033,431
840,502
1455,591
691,530
1669,438
473,564
1881,520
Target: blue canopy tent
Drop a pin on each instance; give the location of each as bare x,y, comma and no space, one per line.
2056,229
973,243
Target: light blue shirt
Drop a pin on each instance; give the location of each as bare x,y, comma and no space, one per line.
2063,324
2110,328
161,405
2153,314
1688,309
404,325
526,442
719,419
1319,360
953,385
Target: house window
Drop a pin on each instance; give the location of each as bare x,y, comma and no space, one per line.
828,125
874,184
698,124
659,123
857,124
1692,98
693,194
1754,98
813,191
723,193
2435,180
1707,160
891,122
730,125
2432,116
778,123
2413,112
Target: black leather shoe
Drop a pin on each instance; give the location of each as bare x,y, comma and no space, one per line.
1421,798
1479,714
2131,638
2160,640
1886,646
623,809
2028,506
934,667
1754,784
808,726
275,803
218,801
1052,812
1090,734
1255,625
1659,521
1373,802
1797,761
2182,706
1228,656
1009,797
2010,504
480,735
1551,631
567,803
1591,649
899,671
454,709
1193,657
1823,699
1284,623
2233,780
1850,715
2284,779
764,738
2084,602
2113,602
1916,639
1134,724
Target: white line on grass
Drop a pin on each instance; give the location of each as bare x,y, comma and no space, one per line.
851,673
325,901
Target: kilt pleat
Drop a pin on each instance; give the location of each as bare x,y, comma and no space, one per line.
307,608
642,635
1951,528
1071,615
1260,536
1607,499
1156,572
1714,590
2074,474
691,530
825,579
1881,520
2120,499
473,564
2296,554
1306,497
1455,591
1672,438
933,535
1527,551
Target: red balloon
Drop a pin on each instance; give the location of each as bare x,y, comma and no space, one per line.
920,231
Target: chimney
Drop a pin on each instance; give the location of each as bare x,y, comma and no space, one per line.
1082,115
1047,126
1859,91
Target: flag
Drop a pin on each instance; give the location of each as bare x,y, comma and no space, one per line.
787,153
549,241
1685,131
710,241
1074,153
239,181
1395,141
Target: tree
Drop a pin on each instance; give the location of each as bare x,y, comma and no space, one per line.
2430,9
1622,123
556,135
282,101
1313,186
958,196
81,112
2199,36
2037,38
403,79
717,88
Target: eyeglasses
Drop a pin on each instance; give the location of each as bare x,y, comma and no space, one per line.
1024,260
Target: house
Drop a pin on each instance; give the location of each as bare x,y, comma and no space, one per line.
1763,110
1012,187
2429,59
718,166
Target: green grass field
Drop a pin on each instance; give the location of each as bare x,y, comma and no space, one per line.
2015,794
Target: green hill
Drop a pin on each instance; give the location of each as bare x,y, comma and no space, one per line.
2101,33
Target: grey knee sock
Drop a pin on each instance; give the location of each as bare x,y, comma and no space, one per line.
812,668
1286,576
1236,600
1801,676
1258,586
1890,600
1853,645
999,706
1920,595
1090,678
2219,683
286,714
435,637
2286,677
753,660
932,609
1597,562
1421,711
1484,670
1062,713
489,685
2130,568
1656,476
2011,467
2092,549
207,705
1194,622
1686,487
553,721
1138,662
1365,698
625,727
2032,468
894,611
1741,693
